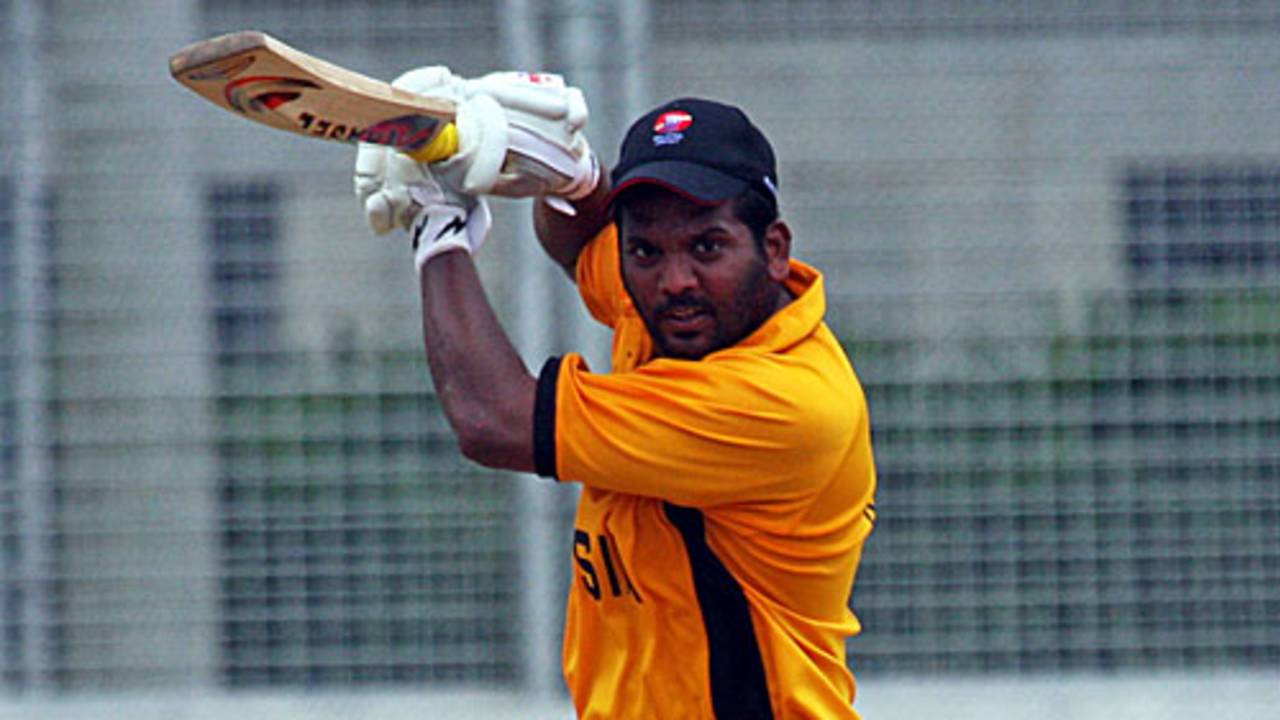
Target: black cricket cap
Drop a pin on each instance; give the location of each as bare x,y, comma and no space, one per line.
702,149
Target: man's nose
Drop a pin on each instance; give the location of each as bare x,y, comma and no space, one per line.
678,276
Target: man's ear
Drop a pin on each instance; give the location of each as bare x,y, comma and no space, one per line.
777,250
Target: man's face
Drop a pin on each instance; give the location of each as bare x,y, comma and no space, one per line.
696,274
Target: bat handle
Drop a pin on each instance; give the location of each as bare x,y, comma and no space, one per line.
443,145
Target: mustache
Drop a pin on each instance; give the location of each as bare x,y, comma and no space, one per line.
684,302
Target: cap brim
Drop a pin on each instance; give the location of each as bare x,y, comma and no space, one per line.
698,183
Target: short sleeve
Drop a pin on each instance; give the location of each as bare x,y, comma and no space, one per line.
728,429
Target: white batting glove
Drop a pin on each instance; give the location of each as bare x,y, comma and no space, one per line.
482,130
382,178
547,152
397,193
519,134
447,222
382,175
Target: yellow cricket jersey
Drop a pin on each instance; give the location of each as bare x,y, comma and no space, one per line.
724,509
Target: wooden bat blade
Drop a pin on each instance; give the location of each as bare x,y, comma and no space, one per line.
251,74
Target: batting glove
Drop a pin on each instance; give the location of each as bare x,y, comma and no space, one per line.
519,134
397,193
447,222
547,152
474,169
382,178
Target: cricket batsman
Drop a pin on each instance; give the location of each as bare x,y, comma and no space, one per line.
725,458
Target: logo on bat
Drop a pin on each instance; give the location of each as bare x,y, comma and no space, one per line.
261,93
407,132
669,128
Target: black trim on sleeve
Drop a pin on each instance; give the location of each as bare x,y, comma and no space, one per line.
738,685
544,419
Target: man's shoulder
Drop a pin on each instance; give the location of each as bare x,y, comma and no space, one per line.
810,379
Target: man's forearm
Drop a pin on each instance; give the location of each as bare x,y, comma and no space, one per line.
485,389
563,236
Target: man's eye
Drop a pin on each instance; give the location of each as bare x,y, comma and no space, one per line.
642,252
707,246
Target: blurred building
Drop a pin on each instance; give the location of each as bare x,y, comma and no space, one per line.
1051,236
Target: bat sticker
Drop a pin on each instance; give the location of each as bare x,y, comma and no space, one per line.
262,93
328,128
407,132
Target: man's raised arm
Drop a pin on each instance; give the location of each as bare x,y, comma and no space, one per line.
562,235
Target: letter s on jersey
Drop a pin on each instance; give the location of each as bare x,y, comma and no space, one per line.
587,557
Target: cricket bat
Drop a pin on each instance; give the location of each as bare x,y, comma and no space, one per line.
260,78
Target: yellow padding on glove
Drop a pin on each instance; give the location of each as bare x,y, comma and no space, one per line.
442,146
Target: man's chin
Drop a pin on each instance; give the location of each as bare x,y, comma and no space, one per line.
686,348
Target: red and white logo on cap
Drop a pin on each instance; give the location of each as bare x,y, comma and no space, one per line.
672,122
669,128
